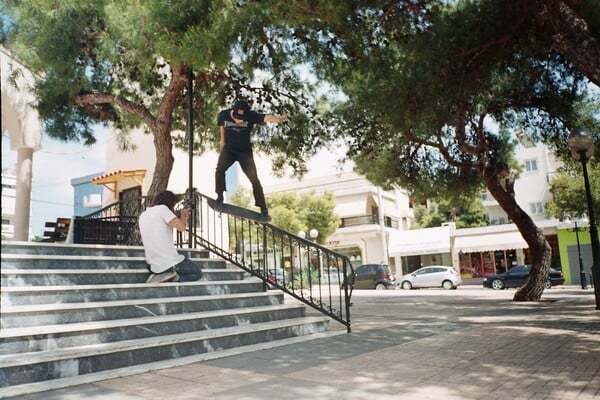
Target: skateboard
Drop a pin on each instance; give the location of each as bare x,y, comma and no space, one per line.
237,211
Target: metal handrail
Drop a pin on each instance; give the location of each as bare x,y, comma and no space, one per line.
305,270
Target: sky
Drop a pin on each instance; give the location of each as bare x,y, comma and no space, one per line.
53,168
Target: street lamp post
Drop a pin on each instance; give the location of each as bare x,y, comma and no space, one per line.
313,234
582,148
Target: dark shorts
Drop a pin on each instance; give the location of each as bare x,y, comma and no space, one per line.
188,271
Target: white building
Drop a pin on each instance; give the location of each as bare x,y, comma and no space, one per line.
368,215
532,186
9,193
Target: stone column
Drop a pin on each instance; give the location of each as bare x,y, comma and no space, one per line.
23,193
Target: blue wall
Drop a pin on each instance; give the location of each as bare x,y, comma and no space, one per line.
82,188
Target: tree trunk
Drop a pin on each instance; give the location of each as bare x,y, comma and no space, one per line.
163,148
574,41
541,251
161,129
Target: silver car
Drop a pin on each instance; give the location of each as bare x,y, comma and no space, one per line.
431,276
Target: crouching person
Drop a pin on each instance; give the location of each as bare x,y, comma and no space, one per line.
156,228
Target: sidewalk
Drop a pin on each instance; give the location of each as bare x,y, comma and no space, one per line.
470,343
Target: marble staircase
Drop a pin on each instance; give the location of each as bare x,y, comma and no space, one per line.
80,313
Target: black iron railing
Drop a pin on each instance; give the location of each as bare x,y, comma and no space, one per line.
303,269
113,224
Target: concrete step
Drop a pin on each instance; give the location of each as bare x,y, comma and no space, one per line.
61,336
73,313
89,250
25,261
43,386
67,313
49,277
23,295
24,368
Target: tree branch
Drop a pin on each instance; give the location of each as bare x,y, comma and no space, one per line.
573,40
439,147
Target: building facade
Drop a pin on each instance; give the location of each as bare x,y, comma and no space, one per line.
87,196
368,215
9,193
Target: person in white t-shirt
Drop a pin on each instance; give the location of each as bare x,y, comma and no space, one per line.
156,228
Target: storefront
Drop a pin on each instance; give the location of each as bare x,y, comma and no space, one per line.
421,247
489,251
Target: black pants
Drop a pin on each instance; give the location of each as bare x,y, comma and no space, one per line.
246,160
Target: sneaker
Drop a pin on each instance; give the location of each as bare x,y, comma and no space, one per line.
219,204
264,215
168,275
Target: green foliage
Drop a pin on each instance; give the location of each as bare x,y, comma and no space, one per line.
568,191
125,63
295,213
467,214
458,79
305,212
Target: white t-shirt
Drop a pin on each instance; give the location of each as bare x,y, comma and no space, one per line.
157,237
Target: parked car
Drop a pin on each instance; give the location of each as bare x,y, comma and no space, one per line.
372,276
516,277
278,275
431,276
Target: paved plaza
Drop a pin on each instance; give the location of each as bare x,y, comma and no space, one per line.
470,343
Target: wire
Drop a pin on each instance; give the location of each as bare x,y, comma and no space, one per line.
74,152
51,202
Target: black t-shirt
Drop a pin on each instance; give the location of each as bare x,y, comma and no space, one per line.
237,136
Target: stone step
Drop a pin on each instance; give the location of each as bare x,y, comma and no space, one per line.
73,313
24,368
40,277
44,386
24,261
23,295
66,313
90,250
60,336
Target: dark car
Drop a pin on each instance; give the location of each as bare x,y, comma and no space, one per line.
372,276
516,277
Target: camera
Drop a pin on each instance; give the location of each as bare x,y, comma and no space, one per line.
188,203
185,203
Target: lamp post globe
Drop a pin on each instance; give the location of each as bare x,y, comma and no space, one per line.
581,145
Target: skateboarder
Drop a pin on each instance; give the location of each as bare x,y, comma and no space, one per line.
156,228
235,125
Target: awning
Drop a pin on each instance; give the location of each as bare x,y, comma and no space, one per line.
419,241
114,177
490,242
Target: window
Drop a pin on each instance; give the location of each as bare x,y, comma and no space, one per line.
536,208
531,165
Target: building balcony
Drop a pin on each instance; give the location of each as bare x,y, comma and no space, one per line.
368,220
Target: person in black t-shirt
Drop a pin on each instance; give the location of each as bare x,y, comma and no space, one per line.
235,125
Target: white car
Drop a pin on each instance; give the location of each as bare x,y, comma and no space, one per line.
431,276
